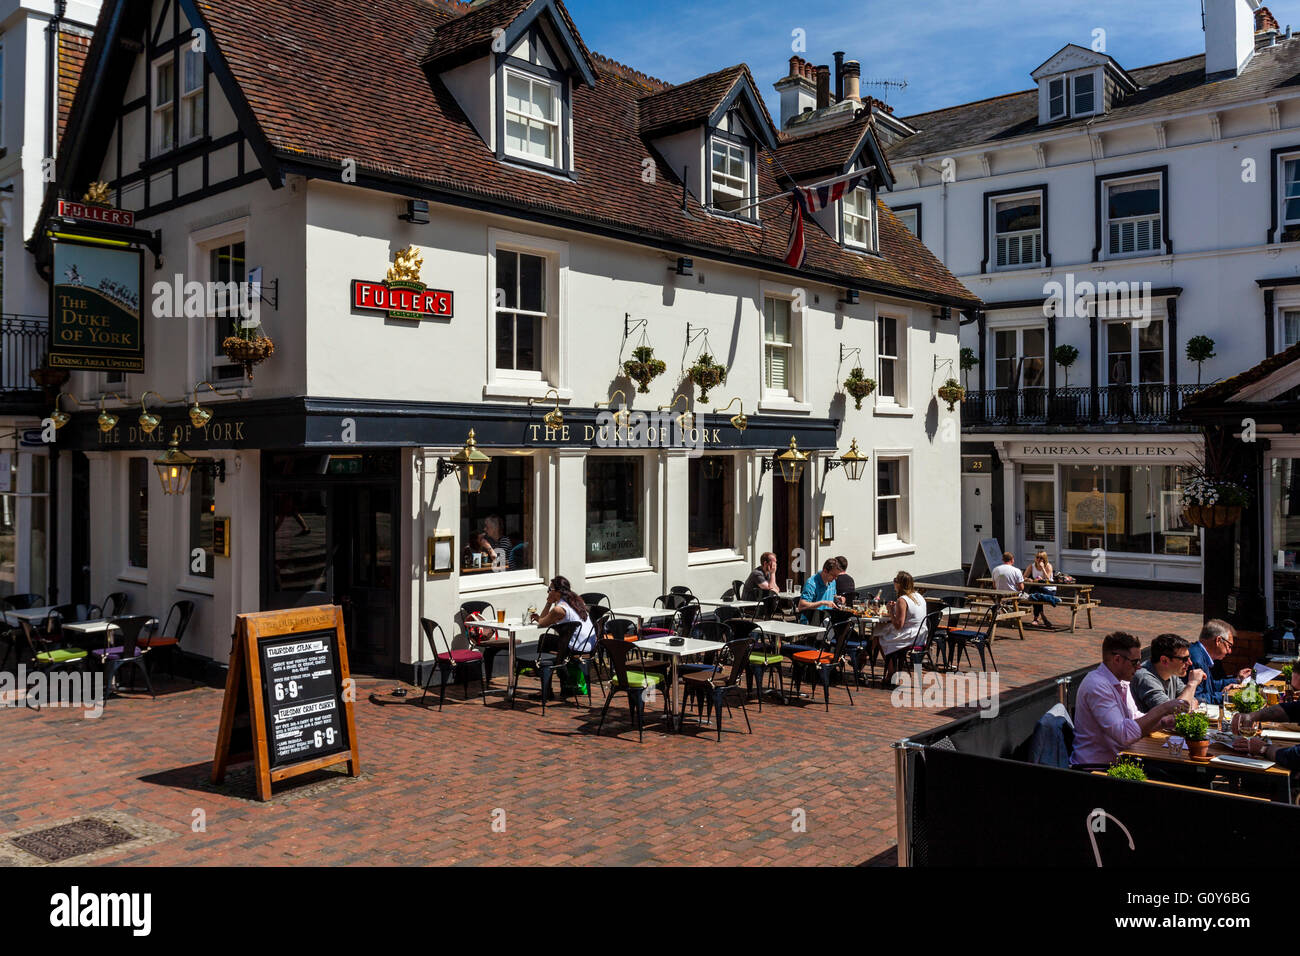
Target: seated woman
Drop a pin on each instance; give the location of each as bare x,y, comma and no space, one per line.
1038,586
906,618
498,543
563,605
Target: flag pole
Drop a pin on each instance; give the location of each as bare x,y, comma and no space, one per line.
825,182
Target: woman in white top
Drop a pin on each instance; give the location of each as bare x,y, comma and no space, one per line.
1038,585
562,605
906,618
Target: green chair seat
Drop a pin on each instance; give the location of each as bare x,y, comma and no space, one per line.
765,659
641,679
59,656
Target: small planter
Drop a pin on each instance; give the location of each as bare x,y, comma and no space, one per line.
1212,516
707,374
248,351
1199,750
951,392
859,386
644,368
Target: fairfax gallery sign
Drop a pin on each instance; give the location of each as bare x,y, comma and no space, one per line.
402,295
95,318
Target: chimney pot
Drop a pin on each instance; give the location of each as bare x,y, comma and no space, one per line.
839,75
823,86
796,65
852,80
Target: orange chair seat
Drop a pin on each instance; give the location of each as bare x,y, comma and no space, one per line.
161,642
813,657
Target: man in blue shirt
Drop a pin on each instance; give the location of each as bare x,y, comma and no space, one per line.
1214,645
819,590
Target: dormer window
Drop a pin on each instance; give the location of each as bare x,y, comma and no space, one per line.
1080,82
532,111
1084,94
857,219
1056,98
729,162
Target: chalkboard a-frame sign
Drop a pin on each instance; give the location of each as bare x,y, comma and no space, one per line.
285,706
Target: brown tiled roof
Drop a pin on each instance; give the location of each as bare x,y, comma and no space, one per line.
819,153
1223,391
72,57
465,35
1164,88
687,104
320,94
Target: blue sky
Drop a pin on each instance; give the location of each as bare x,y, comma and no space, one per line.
949,51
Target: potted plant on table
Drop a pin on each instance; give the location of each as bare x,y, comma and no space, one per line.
859,386
1248,700
1127,768
643,367
1195,729
707,374
951,392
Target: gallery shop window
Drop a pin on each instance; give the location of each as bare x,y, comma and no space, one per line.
203,506
227,270
499,519
1133,509
137,512
711,503
1284,480
615,523
893,525
532,117
1134,216
1018,231
521,311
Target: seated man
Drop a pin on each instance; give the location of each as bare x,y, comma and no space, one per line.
1288,757
1105,718
1166,675
819,591
761,582
845,587
1214,645
1006,576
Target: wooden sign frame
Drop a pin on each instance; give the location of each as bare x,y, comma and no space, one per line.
244,695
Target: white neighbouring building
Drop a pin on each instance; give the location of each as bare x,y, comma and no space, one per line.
1174,186
563,205
43,44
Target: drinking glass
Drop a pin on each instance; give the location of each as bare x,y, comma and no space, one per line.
501,617
789,585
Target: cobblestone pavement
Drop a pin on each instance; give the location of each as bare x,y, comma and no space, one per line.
434,784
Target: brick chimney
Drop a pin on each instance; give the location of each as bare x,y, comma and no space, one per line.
798,90
1229,36
823,86
839,75
1265,22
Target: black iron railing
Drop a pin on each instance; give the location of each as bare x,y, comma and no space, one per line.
1111,404
23,342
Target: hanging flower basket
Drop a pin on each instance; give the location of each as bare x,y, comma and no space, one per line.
859,386
248,350
951,392
1212,516
644,368
707,374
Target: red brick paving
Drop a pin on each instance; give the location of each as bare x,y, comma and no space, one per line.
431,781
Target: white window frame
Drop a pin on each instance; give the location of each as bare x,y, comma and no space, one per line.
1157,248
902,541
1281,307
1074,93
1283,223
505,383
1019,234
793,398
914,214
193,98
733,553
771,342
189,581
470,584
1069,96
1065,97
899,402
867,219
724,187
1019,332
161,113
204,358
554,126
3,113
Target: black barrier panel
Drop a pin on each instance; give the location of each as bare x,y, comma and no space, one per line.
984,811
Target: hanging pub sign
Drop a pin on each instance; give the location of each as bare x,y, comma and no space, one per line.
90,212
288,702
402,295
95,318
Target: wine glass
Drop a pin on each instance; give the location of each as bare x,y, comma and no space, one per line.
1247,726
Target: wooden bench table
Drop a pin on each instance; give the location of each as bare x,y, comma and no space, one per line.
982,598
1080,599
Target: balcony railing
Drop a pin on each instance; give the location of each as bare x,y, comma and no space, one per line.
23,342
1111,404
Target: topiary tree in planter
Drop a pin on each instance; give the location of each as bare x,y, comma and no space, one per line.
967,360
1200,349
1065,356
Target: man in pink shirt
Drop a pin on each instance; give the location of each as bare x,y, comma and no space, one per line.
1105,718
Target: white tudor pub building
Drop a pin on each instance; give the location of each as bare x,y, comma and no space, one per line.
549,211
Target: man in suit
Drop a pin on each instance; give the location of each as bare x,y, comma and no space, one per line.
1214,645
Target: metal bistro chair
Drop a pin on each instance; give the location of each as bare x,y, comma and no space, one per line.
451,663
822,662
169,637
979,637
486,641
46,654
764,659
113,605
714,688
131,652
683,590
595,597
547,657
629,680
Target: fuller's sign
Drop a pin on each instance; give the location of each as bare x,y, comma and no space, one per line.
95,319
106,215
402,295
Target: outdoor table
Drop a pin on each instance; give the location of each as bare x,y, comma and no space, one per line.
513,630
100,627
689,647
789,595
741,606
1152,747
642,614
32,615
789,629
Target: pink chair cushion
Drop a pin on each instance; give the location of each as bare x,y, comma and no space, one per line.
461,657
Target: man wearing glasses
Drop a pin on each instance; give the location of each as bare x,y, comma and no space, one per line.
1105,718
1215,644
1167,675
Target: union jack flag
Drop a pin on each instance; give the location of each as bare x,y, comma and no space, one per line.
809,200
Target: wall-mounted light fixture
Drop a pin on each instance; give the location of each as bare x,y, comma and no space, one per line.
107,421
148,420
417,212
739,421
470,462
61,418
851,297
791,462
621,416
553,418
687,418
685,266
853,462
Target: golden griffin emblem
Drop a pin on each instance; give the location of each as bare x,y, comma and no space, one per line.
97,195
406,266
